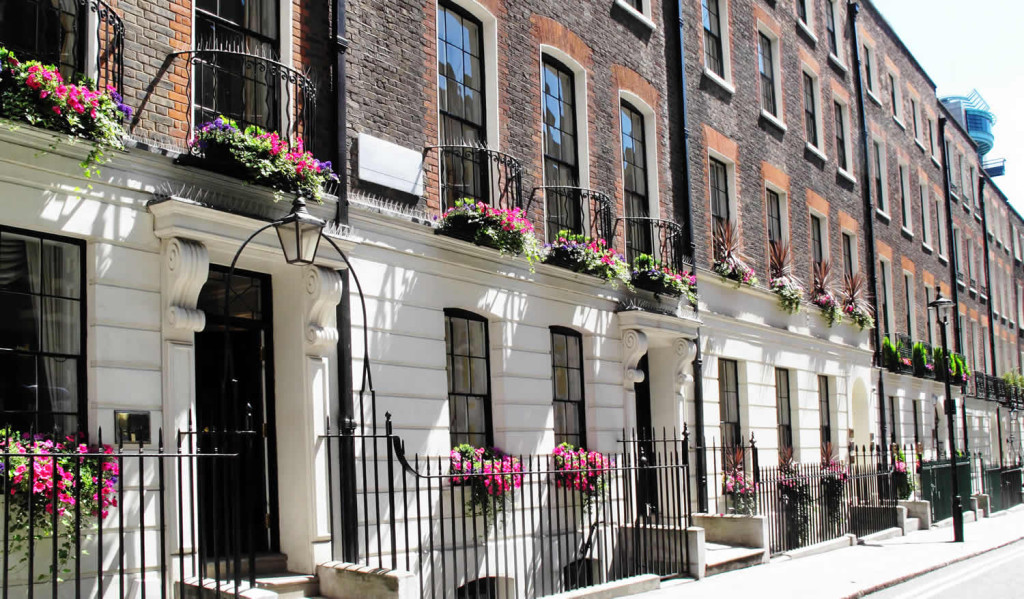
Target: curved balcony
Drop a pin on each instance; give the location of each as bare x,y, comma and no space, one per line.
58,33
479,174
576,209
663,239
250,89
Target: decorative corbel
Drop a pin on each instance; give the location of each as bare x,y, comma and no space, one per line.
634,346
323,291
187,266
685,350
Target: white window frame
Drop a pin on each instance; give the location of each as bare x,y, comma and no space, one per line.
1020,303
826,253
917,119
780,119
886,267
644,15
847,172
906,204
1016,243
933,127
882,204
871,59
837,26
975,343
783,204
730,176
969,251
489,25
911,294
725,81
854,249
818,149
897,109
808,25
929,295
940,235
650,148
957,255
926,218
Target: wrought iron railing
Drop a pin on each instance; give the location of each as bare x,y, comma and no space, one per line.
479,174
250,89
663,239
576,209
58,33
553,529
173,519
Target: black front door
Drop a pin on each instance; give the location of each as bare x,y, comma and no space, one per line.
237,500
647,483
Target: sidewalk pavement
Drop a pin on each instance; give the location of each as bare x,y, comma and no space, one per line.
855,571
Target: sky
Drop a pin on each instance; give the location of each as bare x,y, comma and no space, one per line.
973,45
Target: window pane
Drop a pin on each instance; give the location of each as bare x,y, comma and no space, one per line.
20,264
19,329
18,383
61,269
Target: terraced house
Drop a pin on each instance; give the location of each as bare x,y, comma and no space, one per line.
478,298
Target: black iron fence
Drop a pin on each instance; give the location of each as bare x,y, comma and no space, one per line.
128,521
662,239
495,525
59,33
1002,484
936,485
479,174
811,502
576,209
250,89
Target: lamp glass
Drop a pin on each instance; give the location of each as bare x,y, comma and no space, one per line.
300,239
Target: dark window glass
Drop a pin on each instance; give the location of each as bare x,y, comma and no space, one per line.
884,280
904,205
469,380
848,255
713,58
830,27
824,409
232,85
766,66
913,115
801,10
893,432
783,408
928,300
51,32
892,96
634,175
460,92
908,287
810,111
719,192
637,4
817,240
878,176
869,74
840,137
42,362
567,378
560,149
774,216
921,209
729,402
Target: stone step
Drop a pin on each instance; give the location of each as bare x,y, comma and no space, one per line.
725,558
276,586
911,525
289,585
266,563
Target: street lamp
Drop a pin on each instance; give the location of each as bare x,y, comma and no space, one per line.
299,233
942,307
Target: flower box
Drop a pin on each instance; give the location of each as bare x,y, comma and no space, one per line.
660,279
587,256
507,230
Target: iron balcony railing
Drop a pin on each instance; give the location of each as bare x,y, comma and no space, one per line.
250,89
576,209
662,239
479,174
62,34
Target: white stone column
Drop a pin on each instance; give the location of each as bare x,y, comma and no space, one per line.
634,346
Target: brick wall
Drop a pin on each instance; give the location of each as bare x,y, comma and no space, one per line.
393,83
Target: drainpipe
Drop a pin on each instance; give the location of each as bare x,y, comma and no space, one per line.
698,361
347,450
988,269
951,255
869,221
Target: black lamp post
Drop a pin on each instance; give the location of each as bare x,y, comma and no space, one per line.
942,307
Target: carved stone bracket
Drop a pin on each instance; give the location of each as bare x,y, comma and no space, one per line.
634,346
186,268
685,350
323,290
